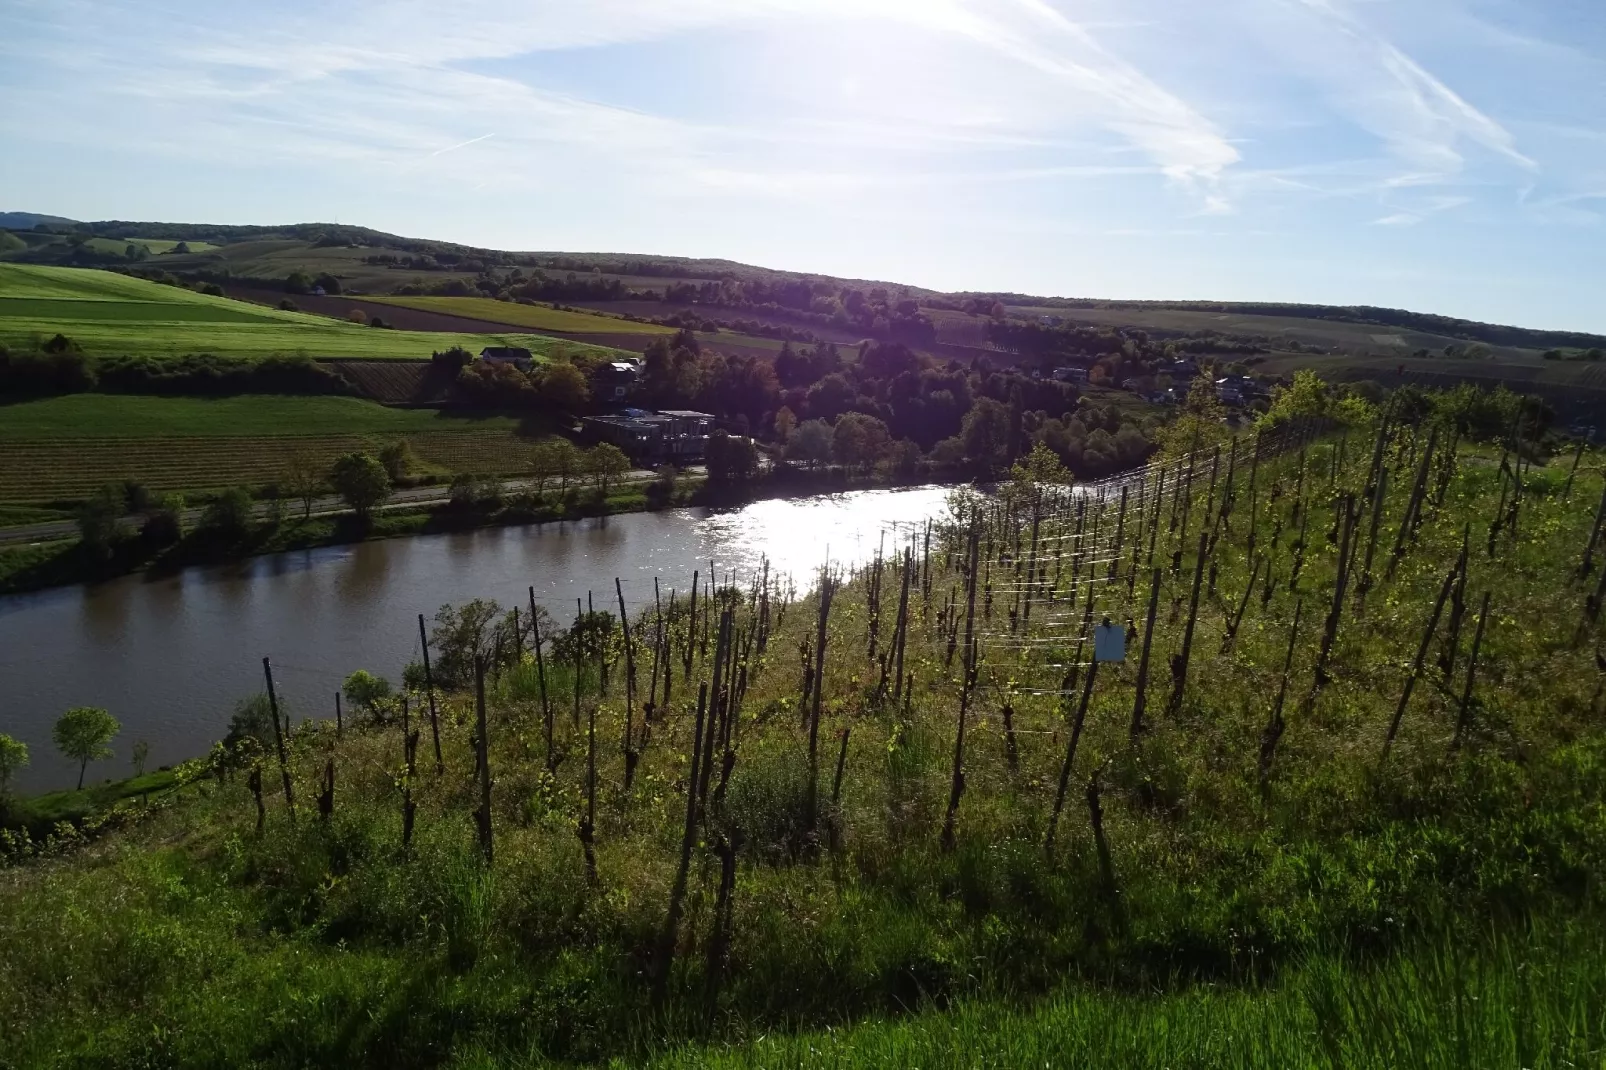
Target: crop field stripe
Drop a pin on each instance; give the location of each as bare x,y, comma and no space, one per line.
537,317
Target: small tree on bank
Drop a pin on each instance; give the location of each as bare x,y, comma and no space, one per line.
85,733
13,756
607,463
361,481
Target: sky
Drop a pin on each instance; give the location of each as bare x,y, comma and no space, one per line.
1441,155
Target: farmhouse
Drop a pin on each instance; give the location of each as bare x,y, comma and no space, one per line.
615,381
521,358
674,434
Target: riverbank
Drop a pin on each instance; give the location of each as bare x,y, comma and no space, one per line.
58,563
54,564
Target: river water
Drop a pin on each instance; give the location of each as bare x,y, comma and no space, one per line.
170,656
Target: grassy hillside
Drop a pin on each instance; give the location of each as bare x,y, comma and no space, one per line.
111,314
1344,815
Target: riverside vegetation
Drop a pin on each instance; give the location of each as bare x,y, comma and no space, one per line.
1341,805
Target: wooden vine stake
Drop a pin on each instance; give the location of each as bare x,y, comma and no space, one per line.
956,783
1179,664
1070,754
1340,588
1464,717
1140,698
1276,726
540,676
482,815
278,739
631,751
429,689
677,893
1416,665
326,797
827,590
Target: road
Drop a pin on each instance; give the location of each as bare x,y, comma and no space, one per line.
405,498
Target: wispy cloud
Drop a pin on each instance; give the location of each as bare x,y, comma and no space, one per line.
1425,124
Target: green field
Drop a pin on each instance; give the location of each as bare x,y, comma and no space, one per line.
535,317
124,416
110,314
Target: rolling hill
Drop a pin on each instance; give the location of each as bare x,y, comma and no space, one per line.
753,306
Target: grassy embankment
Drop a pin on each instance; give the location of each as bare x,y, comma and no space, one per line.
116,315
34,566
1217,894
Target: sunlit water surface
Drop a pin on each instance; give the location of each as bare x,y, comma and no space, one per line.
170,656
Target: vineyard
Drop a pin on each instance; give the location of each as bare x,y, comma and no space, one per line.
69,469
1287,751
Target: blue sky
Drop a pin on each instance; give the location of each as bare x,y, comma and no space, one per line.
1442,155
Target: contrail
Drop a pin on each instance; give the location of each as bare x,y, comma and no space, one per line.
454,148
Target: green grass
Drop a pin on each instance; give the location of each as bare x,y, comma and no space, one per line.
1440,906
255,416
1535,1000
111,314
535,317
41,812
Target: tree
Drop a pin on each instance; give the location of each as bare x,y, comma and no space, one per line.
362,688
229,514
785,423
398,459
544,462
902,459
142,754
328,283
858,441
253,720
731,458
562,386
164,522
1200,425
13,756
567,460
85,733
461,635
297,282
361,482
303,479
1042,465
98,520
985,433
607,463
811,442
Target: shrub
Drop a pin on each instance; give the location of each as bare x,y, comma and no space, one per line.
229,514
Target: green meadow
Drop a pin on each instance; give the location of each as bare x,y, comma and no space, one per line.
110,314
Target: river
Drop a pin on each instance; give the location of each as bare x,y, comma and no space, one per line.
170,656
